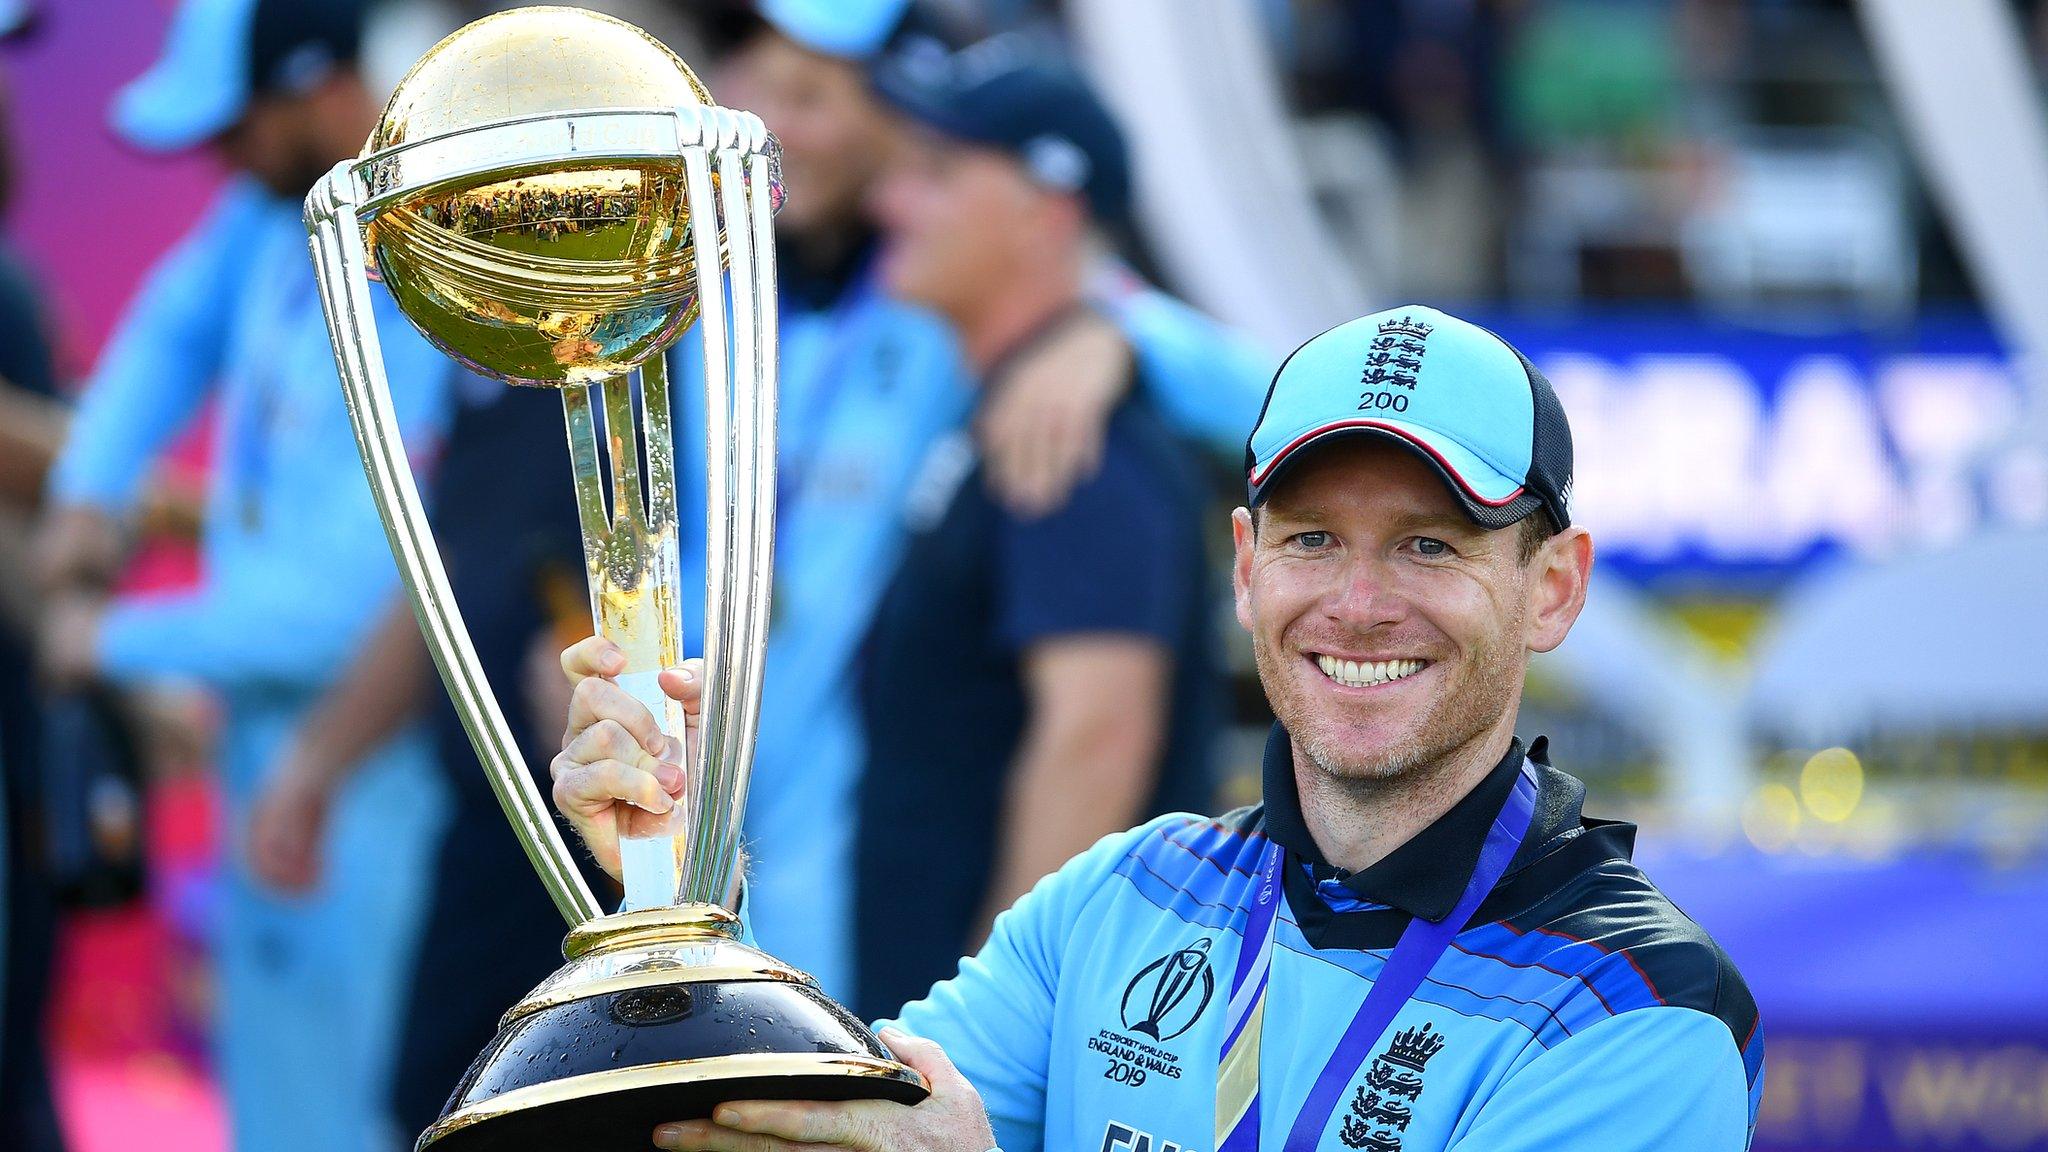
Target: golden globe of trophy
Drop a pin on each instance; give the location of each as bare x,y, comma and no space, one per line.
552,198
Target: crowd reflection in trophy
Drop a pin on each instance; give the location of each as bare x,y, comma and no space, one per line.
981,405
564,211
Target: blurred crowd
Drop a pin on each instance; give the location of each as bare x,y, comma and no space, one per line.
1741,155
1003,445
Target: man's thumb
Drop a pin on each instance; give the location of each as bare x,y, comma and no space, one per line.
924,1056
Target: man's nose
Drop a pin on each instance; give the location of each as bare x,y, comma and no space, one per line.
1365,594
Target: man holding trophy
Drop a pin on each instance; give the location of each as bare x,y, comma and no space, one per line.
1539,992
1395,574
552,197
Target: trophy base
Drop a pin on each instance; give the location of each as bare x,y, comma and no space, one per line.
659,1015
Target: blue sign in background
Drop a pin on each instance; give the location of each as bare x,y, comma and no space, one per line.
1904,1001
1719,454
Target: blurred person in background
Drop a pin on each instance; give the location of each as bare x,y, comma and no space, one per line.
869,384
512,547
1032,682
31,427
295,560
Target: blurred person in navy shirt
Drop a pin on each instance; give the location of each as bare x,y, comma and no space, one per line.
1072,648
870,383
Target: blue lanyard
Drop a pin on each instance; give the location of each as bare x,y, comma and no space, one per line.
1421,944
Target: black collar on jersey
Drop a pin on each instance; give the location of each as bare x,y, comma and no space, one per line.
1425,876
818,284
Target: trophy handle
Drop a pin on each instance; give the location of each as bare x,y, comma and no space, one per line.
739,516
341,267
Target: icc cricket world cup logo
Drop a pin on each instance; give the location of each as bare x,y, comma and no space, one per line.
1162,996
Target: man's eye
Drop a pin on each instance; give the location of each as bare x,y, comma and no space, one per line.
1312,540
1431,547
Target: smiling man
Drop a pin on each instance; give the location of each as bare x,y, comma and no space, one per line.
1417,942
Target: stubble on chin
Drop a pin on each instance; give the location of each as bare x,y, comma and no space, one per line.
1408,752
1430,736
1334,757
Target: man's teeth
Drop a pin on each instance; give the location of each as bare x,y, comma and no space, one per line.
1366,673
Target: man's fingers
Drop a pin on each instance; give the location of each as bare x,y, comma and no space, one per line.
685,685
1043,489
590,787
608,739
597,700
703,1136
592,656
858,1125
1089,438
952,1119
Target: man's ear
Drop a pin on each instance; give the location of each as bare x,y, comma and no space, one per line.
1558,574
1243,539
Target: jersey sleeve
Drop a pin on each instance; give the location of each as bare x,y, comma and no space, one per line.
1664,1078
1114,558
160,363
294,610
1208,380
994,1018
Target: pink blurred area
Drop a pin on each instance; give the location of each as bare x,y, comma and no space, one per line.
101,212
127,1028
132,994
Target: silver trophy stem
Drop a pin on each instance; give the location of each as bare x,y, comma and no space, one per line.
342,269
633,569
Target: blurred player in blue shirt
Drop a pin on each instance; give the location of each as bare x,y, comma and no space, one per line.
295,558
869,385
1418,941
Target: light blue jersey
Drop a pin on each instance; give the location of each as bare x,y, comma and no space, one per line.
296,569
869,387
1577,1009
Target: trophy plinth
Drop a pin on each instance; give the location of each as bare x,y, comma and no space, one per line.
552,198
660,1015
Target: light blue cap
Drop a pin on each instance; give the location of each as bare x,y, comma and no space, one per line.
197,89
857,29
1453,393
14,14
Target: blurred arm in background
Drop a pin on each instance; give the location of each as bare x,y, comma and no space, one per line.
1042,433
1090,750
150,383
1091,597
379,694
1207,378
31,433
